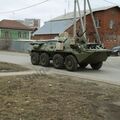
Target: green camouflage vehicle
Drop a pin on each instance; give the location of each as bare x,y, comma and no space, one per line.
69,52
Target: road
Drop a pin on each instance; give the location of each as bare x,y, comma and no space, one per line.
110,72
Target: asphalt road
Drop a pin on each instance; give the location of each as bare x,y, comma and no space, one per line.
110,72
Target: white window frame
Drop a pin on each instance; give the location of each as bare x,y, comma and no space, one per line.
97,21
111,24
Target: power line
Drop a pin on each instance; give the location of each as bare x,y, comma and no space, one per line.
24,8
113,3
37,4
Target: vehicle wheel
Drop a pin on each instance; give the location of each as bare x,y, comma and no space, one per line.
83,65
58,61
71,63
96,66
44,59
35,58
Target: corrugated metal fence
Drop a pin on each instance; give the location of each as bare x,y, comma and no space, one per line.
16,45
20,46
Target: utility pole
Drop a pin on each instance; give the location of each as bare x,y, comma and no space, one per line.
85,15
81,20
94,24
74,30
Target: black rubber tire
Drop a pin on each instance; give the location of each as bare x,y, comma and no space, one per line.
96,66
58,61
71,63
35,58
83,65
44,59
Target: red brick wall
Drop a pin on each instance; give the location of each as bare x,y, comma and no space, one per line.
111,43
104,30
44,37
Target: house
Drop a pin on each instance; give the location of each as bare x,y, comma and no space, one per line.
107,22
14,36
53,28
14,30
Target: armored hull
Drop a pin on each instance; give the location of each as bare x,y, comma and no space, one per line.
64,53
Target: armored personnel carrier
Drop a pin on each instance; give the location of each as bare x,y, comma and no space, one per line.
64,52
71,52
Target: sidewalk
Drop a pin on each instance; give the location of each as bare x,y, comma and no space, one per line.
17,73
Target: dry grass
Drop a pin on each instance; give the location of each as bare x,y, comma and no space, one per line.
8,67
43,97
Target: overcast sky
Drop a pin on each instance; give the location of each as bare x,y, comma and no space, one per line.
45,11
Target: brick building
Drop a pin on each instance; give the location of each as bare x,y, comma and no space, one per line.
107,21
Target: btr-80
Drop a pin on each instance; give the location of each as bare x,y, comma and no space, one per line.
68,52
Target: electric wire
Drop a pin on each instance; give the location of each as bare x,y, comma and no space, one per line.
113,3
37,4
24,8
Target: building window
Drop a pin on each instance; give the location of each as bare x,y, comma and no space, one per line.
19,35
6,34
25,35
98,22
111,24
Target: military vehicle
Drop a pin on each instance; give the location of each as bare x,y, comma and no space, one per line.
71,52
63,52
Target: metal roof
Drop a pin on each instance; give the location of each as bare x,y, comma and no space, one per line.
13,24
71,14
54,27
